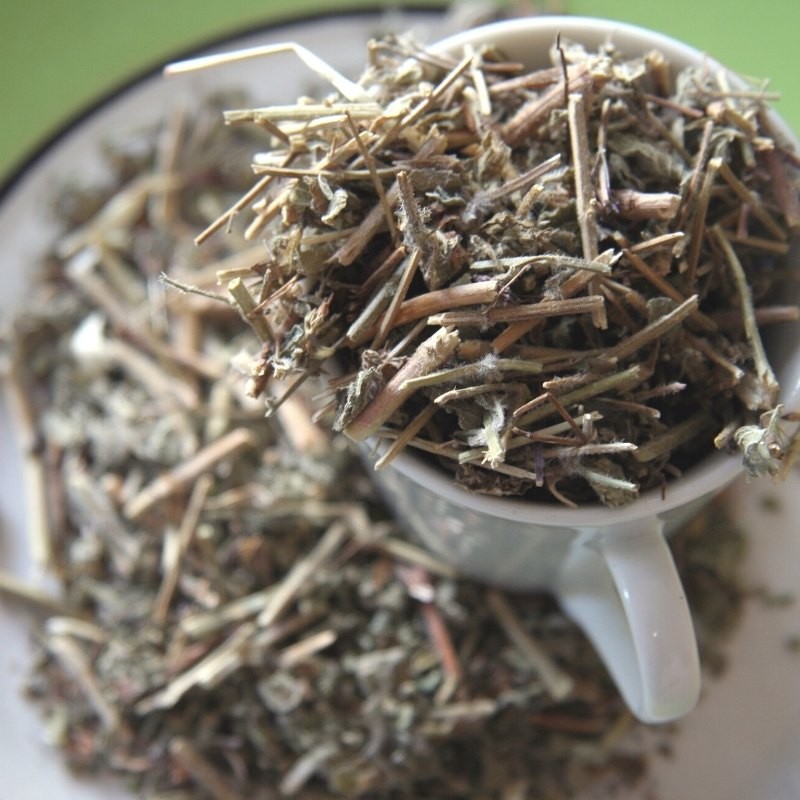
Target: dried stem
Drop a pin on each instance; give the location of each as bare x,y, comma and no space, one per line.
350,90
77,664
249,309
175,545
617,381
295,654
697,237
481,369
653,331
202,771
533,311
179,477
532,115
208,672
301,572
666,240
388,212
785,192
34,478
665,287
674,437
746,196
430,99
31,595
584,190
430,355
558,684
636,205
764,373
392,314
408,433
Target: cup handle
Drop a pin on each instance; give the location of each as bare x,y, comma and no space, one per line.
624,592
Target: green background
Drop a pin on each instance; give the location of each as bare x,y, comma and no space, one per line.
56,56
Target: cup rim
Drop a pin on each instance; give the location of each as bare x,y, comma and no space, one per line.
596,27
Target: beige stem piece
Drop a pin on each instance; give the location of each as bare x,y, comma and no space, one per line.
179,477
430,355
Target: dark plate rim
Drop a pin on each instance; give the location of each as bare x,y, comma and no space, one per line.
28,161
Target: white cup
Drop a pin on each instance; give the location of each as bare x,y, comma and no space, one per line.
610,568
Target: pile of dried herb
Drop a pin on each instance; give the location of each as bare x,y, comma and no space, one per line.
239,618
551,281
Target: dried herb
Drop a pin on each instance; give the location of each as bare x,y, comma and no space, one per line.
240,618
596,242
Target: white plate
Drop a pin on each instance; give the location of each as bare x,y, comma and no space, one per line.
743,741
